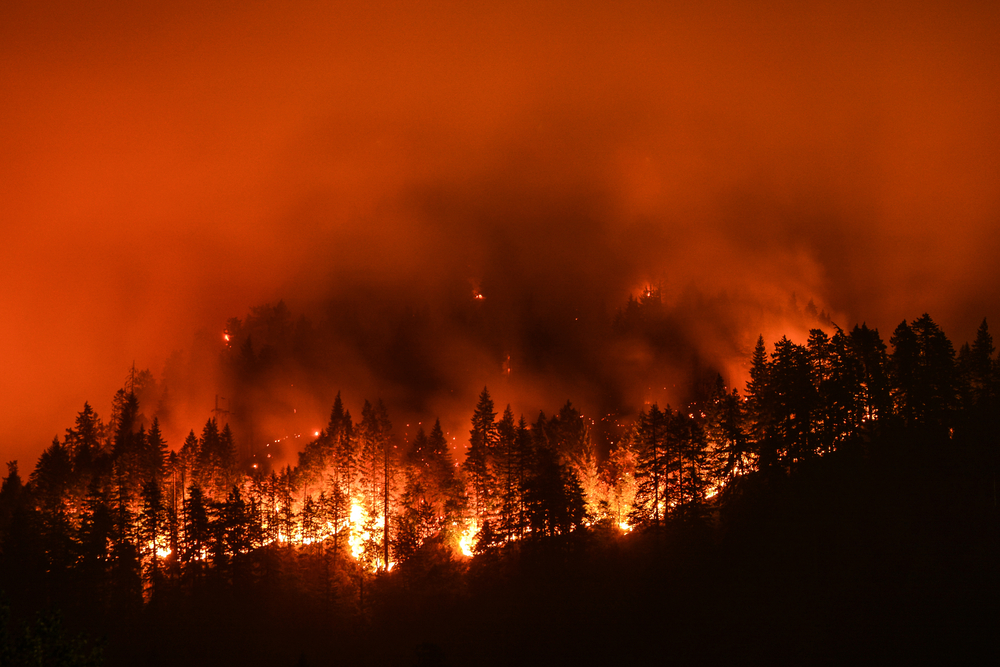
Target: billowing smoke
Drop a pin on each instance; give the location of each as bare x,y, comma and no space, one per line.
376,168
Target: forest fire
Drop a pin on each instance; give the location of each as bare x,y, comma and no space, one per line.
358,534
466,540
263,204
355,486
358,506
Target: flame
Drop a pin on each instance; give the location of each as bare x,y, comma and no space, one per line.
159,547
357,533
465,541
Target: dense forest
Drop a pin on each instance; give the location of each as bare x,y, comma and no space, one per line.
842,506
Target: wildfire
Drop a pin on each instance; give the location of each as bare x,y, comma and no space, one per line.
465,541
160,547
357,535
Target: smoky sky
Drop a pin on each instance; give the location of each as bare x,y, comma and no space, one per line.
168,166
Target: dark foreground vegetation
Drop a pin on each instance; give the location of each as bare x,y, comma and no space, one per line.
845,510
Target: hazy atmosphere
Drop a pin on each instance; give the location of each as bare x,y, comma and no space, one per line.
167,167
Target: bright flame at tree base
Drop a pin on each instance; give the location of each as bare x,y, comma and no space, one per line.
466,539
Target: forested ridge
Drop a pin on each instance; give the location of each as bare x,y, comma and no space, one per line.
842,506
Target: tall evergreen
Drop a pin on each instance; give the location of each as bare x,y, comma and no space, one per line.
84,441
97,532
937,382
651,467
378,467
155,454
554,500
759,407
875,392
479,460
50,486
152,534
725,428
924,383
506,475
905,374
692,469
197,539
793,398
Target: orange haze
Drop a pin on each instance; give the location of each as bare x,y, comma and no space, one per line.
166,166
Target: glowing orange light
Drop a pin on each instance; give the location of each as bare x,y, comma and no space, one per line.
466,538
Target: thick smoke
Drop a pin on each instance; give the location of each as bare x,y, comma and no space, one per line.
165,171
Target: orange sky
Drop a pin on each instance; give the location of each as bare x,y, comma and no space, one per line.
167,166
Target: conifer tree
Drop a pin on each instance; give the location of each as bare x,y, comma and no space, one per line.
978,390
377,468
84,441
341,431
151,530
937,382
12,494
794,398
875,396
691,469
759,406
725,428
981,367
554,500
651,467
904,373
236,521
196,542
506,474
155,455
50,484
524,462
479,462
96,533
923,364
189,461
618,476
